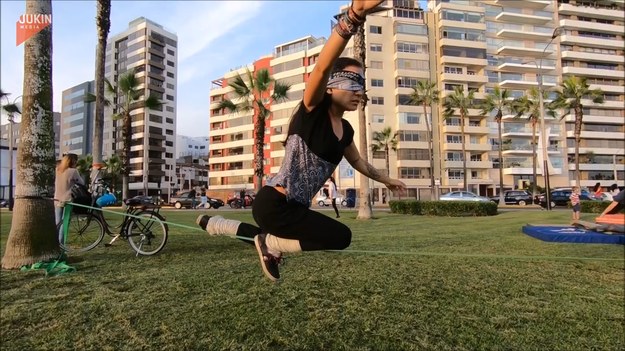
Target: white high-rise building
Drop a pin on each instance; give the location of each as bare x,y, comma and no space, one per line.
151,51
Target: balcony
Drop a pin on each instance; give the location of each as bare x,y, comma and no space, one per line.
589,56
531,4
457,164
608,88
463,43
522,67
522,84
595,12
599,27
509,50
569,39
473,130
513,17
468,78
464,61
468,147
597,119
593,72
596,135
522,35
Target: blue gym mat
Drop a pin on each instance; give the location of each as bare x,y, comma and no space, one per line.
569,234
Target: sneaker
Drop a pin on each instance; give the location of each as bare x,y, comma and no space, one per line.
202,220
268,262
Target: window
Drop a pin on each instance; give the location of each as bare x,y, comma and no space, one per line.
454,70
170,52
413,173
454,139
412,48
377,64
406,82
170,63
408,118
375,29
378,118
375,47
170,86
170,75
413,154
377,100
170,98
455,174
379,154
411,135
377,82
169,109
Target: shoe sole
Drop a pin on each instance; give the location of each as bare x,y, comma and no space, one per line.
262,260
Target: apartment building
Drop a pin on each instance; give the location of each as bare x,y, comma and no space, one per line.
151,51
592,46
15,130
195,147
77,118
475,45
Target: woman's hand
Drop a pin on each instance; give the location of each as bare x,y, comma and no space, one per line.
362,7
396,186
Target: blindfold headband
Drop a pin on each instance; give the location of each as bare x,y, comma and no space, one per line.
346,80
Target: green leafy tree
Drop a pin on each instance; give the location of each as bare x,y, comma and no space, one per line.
385,141
33,237
83,166
458,101
114,170
130,98
573,91
529,105
256,92
425,94
499,102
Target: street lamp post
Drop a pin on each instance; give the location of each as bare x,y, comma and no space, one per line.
541,106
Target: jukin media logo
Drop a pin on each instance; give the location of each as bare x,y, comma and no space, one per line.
29,25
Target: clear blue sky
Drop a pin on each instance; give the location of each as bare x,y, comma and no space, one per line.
213,36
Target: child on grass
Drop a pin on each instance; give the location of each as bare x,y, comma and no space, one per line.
575,203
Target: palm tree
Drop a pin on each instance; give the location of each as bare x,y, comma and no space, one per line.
84,167
529,104
461,102
384,141
365,210
573,91
253,93
103,22
114,169
31,240
426,94
130,98
498,101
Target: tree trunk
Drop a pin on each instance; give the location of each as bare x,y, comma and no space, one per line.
127,137
259,137
103,24
360,53
464,154
32,237
534,159
502,200
430,152
578,132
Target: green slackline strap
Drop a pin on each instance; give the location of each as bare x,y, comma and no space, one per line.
414,253
51,268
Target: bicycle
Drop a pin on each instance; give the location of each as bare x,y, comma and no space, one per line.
143,226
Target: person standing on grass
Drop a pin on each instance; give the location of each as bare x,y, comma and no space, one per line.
66,176
318,138
192,195
333,194
575,203
203,198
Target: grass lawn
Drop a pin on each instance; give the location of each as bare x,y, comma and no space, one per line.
430,283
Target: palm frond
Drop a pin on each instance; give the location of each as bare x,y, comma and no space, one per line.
11,109
241,89
280,92
128,82
262,81
229,105
152,102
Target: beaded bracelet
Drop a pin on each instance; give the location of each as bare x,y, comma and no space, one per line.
354,18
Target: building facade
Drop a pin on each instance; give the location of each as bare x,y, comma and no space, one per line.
473,45
77,119
195,147
151,51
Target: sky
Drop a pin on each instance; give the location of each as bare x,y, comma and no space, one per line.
213,37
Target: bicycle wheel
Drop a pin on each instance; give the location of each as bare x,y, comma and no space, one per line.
147,234
85,231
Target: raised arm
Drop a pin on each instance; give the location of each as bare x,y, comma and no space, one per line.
316,86
353,157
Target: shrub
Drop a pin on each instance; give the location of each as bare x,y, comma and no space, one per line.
444,208
593,206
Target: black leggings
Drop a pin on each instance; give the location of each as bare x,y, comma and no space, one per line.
291,220
335,208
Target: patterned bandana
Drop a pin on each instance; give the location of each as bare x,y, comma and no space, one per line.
346,80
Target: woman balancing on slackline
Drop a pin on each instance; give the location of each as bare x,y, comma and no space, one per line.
318,138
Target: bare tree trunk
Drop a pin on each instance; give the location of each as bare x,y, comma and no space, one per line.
33,231
103,20
360,53
578,132
534,159
127,137
502,200
430,152
464,154
259,164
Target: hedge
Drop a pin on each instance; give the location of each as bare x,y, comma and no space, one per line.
443,208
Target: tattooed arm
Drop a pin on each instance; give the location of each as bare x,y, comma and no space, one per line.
353,157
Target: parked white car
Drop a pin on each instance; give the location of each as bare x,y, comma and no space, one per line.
323,201
463,196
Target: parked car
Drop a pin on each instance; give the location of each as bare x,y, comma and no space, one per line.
182,200
515,197
234,200
4,203
560,197
463,196
323,201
